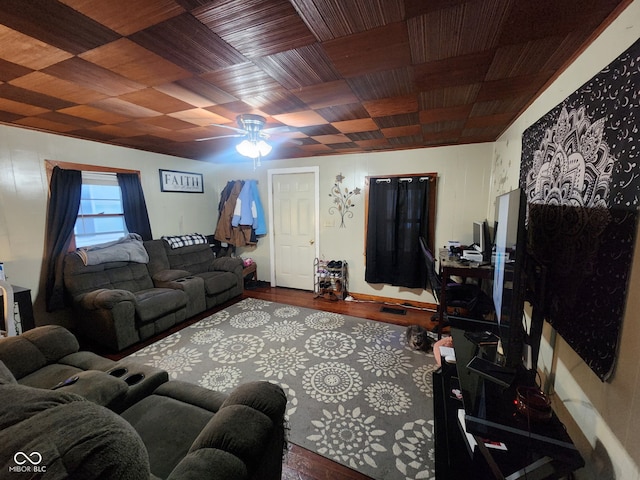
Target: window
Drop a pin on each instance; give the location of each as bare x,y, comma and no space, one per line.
101,215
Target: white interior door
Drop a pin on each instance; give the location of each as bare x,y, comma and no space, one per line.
295,230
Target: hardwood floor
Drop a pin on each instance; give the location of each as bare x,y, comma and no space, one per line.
302,464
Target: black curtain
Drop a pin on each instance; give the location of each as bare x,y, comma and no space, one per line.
134,205
398,216
64,202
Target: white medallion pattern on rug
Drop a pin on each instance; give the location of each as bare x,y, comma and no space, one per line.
351,383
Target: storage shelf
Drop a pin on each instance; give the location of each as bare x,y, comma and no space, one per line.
330,279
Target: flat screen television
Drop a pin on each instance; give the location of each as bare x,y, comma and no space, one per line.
508,279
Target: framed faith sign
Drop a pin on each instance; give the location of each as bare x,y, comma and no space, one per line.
185,182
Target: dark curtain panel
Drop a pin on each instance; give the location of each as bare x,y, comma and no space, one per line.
135,207
64,202
398,216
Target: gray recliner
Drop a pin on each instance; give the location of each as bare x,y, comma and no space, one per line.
117,303
165,429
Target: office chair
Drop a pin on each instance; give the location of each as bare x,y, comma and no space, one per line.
467,298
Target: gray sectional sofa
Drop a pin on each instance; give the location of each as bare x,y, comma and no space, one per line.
120,303
123,420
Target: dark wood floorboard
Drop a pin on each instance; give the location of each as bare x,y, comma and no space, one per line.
302,464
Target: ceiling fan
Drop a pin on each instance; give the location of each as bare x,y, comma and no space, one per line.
251,128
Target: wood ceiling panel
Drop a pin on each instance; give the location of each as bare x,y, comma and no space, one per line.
243,81
276,102
55,24
92,76
383,48
124,16
199,116
256,28
329,139
352,126
449,96
186,42
68,120
10,71
19,108
407,130
460,30
365,136
184,94
327,94
330,19
207,90
464,70
299,68
23,95
390,83
93,113
392,106
155,100
520,59
44,124
168,123
401,120
340,113
301,119
442,114
136,63
127,109
44,84
28,51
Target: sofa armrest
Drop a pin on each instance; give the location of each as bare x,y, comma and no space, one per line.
104,298
245,438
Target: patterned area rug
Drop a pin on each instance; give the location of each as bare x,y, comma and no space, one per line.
356,393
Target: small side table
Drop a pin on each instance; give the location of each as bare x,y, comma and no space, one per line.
251,270
22,296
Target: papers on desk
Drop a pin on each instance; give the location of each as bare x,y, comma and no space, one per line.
471,440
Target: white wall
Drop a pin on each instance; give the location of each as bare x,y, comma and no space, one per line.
606,414
463,193
24,193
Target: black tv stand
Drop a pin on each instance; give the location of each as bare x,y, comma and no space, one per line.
535,449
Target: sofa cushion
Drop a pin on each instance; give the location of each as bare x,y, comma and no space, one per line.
217,282
36,348
167,427
157,302
82,440
194,258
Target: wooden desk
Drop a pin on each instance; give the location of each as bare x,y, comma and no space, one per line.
453,268
22,296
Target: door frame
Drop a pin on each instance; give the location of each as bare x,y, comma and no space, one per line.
316,186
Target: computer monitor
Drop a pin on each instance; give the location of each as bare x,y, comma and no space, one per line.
478,236
482,239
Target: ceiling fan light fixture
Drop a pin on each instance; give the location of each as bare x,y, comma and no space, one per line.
253,149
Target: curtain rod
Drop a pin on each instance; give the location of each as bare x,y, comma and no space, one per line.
403,179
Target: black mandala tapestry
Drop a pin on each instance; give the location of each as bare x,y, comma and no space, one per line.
581,177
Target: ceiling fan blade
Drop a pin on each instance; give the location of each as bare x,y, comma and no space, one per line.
220,136
280,129
228,126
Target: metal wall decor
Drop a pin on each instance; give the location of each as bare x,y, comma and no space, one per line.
342,199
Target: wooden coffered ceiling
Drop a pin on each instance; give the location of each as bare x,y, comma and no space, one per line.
345,76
